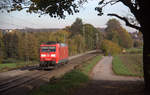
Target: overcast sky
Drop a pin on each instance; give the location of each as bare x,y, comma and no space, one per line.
87,14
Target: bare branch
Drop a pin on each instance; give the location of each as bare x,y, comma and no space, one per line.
126,21
104,3
133,9
110,2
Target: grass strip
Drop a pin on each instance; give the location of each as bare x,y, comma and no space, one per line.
127,67
69,82
134,63
119,68
86,68
134,51
15,65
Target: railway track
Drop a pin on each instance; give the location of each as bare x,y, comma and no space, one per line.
39,74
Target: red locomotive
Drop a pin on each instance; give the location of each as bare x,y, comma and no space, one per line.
52,53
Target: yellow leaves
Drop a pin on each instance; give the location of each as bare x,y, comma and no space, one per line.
76,44
60,36
110,48
118,34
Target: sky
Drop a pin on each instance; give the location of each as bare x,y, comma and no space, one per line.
87,13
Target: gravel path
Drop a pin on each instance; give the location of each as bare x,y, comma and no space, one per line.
105,82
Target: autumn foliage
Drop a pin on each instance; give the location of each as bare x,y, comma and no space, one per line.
118,34
110,47
25,45
79,37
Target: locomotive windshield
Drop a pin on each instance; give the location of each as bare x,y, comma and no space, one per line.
48,49
52,49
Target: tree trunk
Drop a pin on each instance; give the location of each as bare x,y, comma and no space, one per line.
146,54
146,62
144,20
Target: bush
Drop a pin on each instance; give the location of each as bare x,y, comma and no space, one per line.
108,47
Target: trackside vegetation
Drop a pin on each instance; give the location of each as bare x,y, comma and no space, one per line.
128,65
11,64
86,68
69,82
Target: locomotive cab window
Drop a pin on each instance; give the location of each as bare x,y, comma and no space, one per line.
44,49
52,49
48,49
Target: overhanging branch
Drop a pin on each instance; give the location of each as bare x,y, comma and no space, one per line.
126,21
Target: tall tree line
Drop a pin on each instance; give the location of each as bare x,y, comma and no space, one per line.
79,37
26,45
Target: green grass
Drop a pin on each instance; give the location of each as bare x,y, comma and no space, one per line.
128,65
87,67
69,82
119,68
10,64
135,50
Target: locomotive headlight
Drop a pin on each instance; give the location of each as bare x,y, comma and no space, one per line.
43,55
53,55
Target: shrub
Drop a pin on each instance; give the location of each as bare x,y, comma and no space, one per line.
108,47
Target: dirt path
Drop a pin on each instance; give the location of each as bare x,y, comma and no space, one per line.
103,71
105,82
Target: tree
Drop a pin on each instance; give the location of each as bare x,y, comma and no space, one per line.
1,47
76,44
77,27
113,25
139,8
54,8
114,36
92,36
108,47
118,34
125,39
11,44
59,36
138,44
20,45
80,43
30,49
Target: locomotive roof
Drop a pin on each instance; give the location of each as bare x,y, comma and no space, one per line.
53,43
